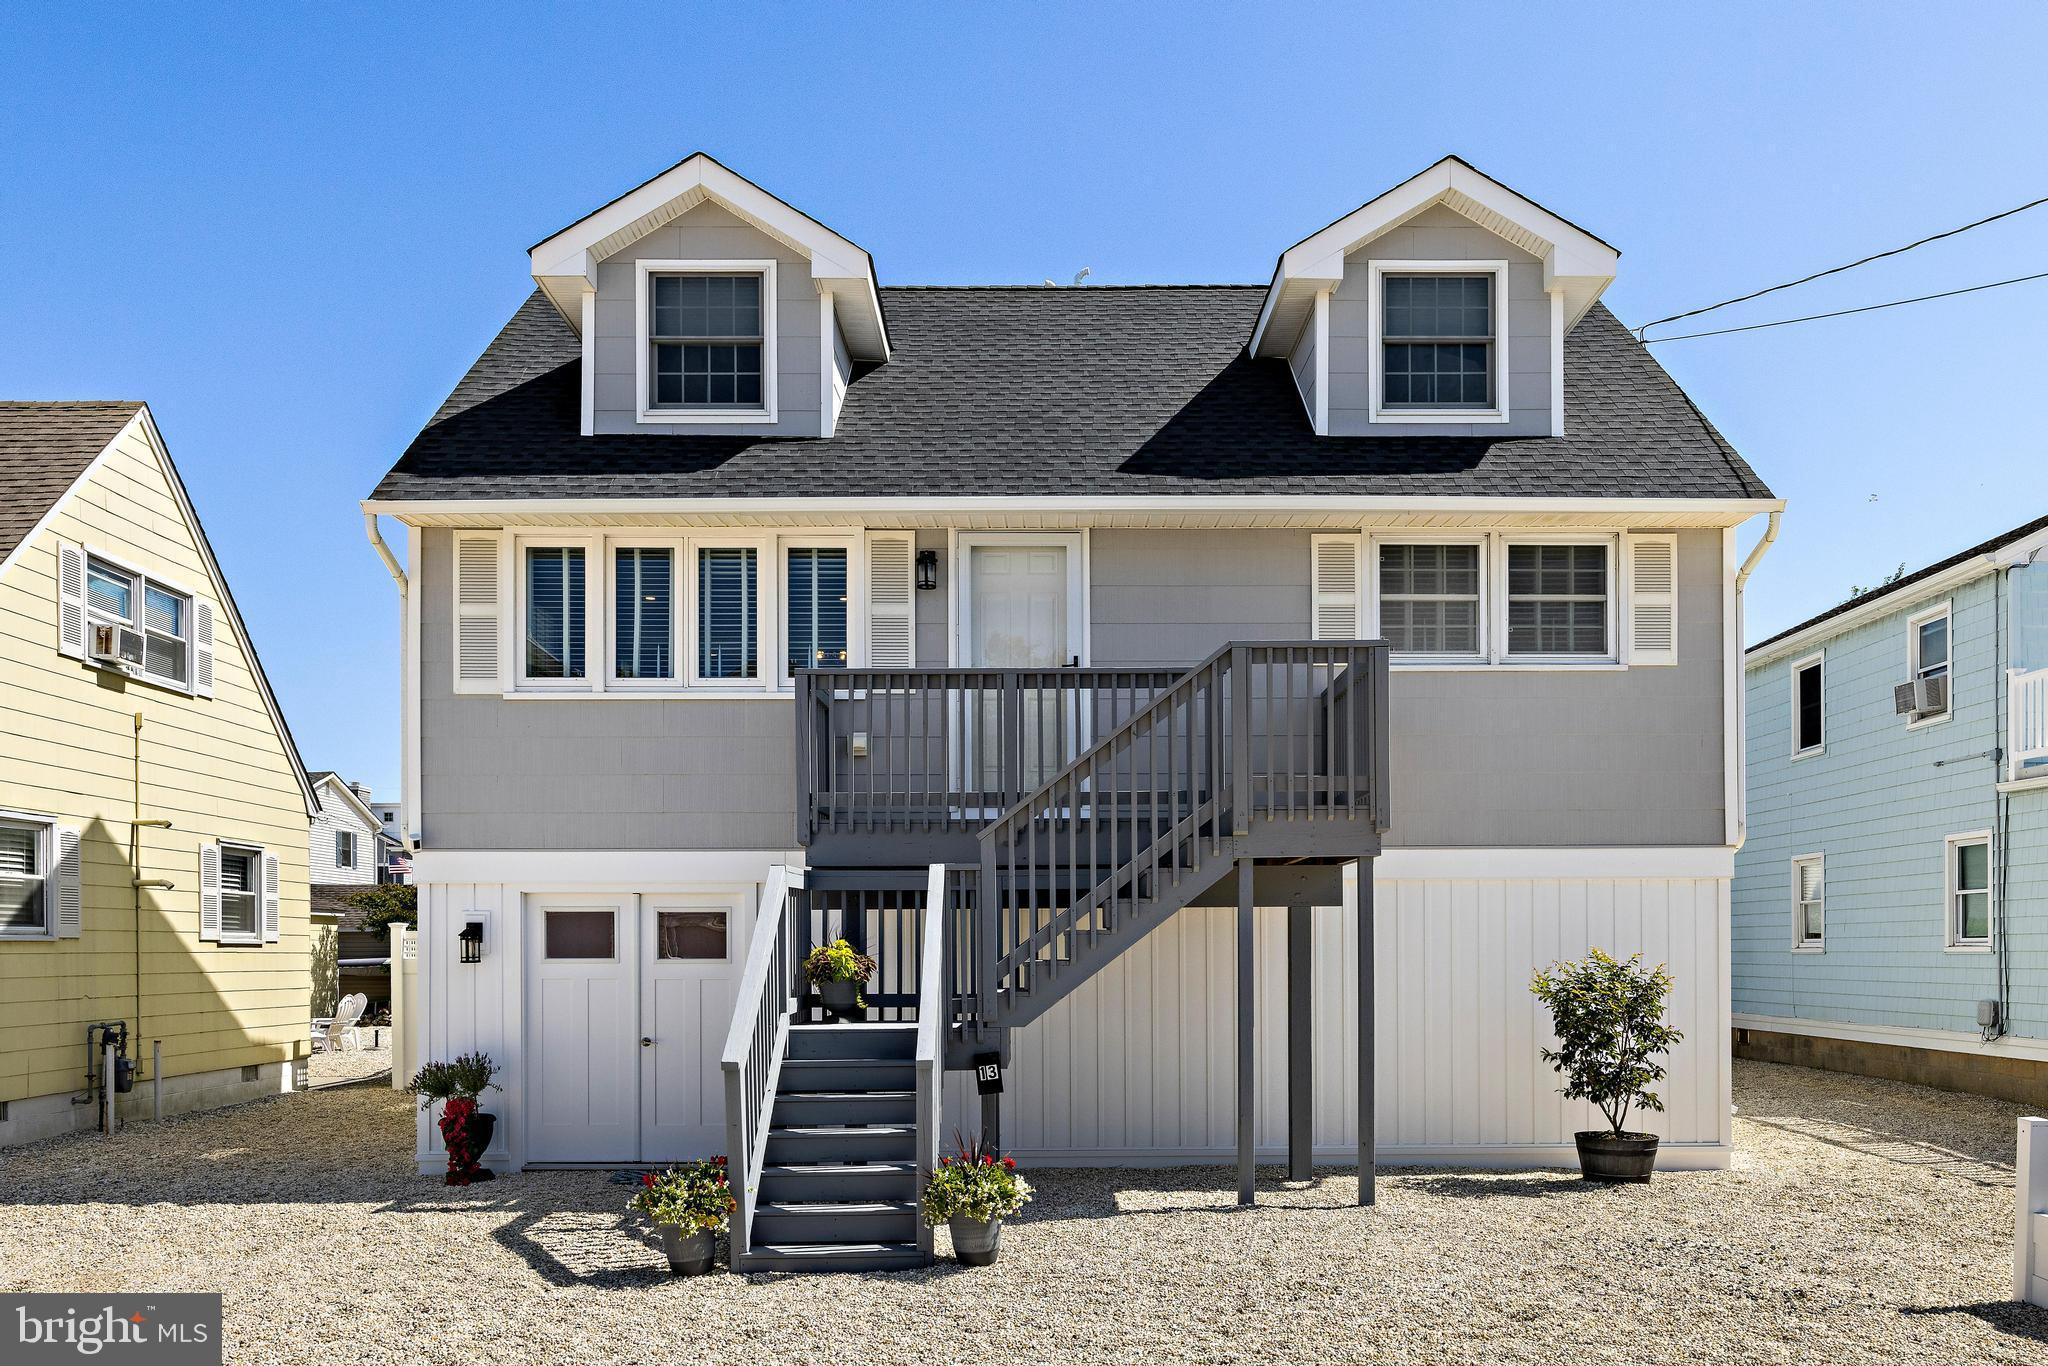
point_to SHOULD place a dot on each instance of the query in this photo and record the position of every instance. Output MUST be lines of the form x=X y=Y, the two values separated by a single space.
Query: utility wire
x=1843 y=312
x=1836 y=270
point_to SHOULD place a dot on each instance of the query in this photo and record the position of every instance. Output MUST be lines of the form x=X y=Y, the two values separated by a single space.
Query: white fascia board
x=593 y=869
x=1638 y=511
x=334 y=781
x=1802 y=642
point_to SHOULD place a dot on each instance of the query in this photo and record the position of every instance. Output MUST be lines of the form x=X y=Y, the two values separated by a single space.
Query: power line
x=1835 y=270
x=1844 y=312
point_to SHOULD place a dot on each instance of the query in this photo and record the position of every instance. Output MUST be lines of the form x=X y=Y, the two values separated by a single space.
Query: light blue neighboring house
x=1891 y=898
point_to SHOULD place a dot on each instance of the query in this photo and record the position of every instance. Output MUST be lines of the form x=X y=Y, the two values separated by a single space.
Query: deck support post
x=1301 y=1106
x=1366 y=1061
x=992 y=1123
x=1246 y=1172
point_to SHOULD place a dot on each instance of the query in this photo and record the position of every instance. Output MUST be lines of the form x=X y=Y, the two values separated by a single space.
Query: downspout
x=1755 y=558
x=405 y=683
x=136 y=825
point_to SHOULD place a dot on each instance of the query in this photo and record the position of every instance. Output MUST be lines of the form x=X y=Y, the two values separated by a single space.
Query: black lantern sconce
x=472 y=939
x=927 y=569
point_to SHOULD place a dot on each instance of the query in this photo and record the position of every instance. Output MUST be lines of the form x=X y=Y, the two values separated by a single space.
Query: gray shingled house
x=1133 y=672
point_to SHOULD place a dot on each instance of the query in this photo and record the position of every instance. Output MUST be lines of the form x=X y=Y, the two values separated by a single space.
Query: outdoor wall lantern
x=472 y=938
x=927 y=569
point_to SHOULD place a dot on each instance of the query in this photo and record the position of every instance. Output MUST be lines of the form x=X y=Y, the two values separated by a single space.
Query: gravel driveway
x=1863 y=1221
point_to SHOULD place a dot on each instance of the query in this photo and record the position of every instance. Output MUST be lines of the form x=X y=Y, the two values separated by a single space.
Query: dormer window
x=1439 y=333
x=707 y=341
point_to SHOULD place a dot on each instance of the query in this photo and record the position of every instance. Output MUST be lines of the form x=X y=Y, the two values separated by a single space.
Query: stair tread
x=836 y=1207
x=832 y=1249
x=846 y=1095
x=866 y=1130
x=862 y=1026
x=849 y=1062
x=879 y=1167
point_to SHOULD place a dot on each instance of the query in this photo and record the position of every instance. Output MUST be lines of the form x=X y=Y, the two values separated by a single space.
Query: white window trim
x=350 y=836
x=856 y=594
x=641 y=376
x=678 y=547
x=1801 y=944
x=1945 y=610
x=1817 y=660
x=255 y=855
x=46 y=859
x=1952 y=937
x=1499 y=626
x=1373 y=542
x=767 y=590
x=596 y=616
x=144 y=581
x=1376 y=358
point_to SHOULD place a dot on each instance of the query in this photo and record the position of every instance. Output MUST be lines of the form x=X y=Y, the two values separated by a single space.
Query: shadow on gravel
x=1535 y=1186
x=2007 y=1316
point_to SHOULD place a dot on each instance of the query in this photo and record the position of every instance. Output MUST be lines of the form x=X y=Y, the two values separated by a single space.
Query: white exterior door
x=691 y=944
x=1021 y=613
x=583 y=1093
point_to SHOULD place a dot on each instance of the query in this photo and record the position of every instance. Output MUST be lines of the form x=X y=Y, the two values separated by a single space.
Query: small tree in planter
x=838 y=970
x=465 y=1130
x=972 y=1193
x=1609 y=1021
x=688 y=1205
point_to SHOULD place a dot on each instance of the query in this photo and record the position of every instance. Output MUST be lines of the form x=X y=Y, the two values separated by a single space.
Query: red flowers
x=1009 y=1164
x=987 y=1161
x=718 y=1161
x=646 y=1178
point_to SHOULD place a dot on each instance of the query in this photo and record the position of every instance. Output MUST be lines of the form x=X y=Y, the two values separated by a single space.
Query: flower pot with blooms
x=1609 y=1021
x=465 y=1130
x=689 y=1204
x=838 y=970
x=972 y=1192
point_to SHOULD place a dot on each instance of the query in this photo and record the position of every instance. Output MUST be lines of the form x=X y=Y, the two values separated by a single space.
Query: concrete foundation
x=2006 y=1078
x=40 y=1117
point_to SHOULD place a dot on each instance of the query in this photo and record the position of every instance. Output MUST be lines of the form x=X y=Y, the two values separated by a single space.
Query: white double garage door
x=629 y=998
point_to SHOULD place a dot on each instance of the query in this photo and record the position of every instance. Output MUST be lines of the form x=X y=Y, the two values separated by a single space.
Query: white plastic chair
x=341 y=1030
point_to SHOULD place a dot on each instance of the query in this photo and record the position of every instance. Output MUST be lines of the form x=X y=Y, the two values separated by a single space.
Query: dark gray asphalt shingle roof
x=44 y=447
x=1079 y=391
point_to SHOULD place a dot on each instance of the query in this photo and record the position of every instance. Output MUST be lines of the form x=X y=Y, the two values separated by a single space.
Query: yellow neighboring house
x=153 y=808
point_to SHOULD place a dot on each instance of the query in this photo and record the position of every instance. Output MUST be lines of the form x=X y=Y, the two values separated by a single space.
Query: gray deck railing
x=756 y=1043
x=940 y=751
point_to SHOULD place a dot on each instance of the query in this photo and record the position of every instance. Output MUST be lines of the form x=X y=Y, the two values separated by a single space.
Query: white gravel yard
x=345 y=1065
x=1863 y=1221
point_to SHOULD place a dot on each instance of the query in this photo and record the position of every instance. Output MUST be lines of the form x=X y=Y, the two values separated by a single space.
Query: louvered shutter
x=70 y=884
x=1652 y=599
x=891 y=582
x=71 y=601
x=202 y=648
x=209 y=893
x=272 y=912
x=1335 y=586
x=478 y=612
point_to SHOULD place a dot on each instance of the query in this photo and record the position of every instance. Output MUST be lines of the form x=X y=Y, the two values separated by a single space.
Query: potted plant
x=972 y=1193
x=465 y=1130
x=688 y=1204
x=1609 y=1022
x=838 y=971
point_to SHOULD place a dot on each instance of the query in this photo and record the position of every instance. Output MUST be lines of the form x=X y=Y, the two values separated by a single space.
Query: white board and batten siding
x=1139 y=1065
x=2030 y=1213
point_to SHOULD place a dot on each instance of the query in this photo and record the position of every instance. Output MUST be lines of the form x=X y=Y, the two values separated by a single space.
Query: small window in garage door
x=691 y=935
x=581 y=934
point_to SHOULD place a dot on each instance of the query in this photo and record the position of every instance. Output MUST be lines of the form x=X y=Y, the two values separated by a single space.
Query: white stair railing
x=755 y=1046
x=2027 y=717
x=932 y=1008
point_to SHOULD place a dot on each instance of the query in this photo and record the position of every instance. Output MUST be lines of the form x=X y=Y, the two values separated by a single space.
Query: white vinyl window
x=644 y=612
x=241 y=895
x=706 y=341
x=25 y=909
x=1432 y=599
x=1928 y=650
x=817 y=607
x=344 y=848
x=1969 y=890
x=1809 y=903
x=144 y=624
x=726 y=613
x=1809 y=714
x=558 y=611
x=1438 y=331
x=1559 y=600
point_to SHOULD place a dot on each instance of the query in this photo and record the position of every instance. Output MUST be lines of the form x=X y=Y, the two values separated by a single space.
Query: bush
x=1609 y=1020
x=695 y=1195
x=386 y=904
x=467 y=1078
x=976 y=1183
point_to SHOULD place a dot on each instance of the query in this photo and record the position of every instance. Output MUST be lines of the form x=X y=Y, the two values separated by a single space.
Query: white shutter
x=892 y=571
x=1652 y=598
x=1335 y=586
x=209 y=893
x=478 y=612
x=272 y=917
x=202 y=648
x=71 y=601
x=70 y=922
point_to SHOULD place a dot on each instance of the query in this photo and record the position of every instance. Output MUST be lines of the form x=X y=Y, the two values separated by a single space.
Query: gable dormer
x=1438 y=309
x=707 y=306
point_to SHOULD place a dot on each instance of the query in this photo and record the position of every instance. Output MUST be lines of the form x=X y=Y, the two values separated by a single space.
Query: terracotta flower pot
x=976 y=1241
x=1605 y=1156
x=690 y=1250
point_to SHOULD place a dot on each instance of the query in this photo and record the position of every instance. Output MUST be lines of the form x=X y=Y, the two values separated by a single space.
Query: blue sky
x=291 y=228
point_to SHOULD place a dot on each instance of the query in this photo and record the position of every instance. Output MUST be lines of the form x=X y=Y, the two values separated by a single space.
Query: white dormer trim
x=565 y=264
x=1575 y=263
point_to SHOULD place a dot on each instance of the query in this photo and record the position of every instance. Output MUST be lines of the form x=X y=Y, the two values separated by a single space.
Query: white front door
x=691 y=944
x=1021 y=614
x=583 y=1040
